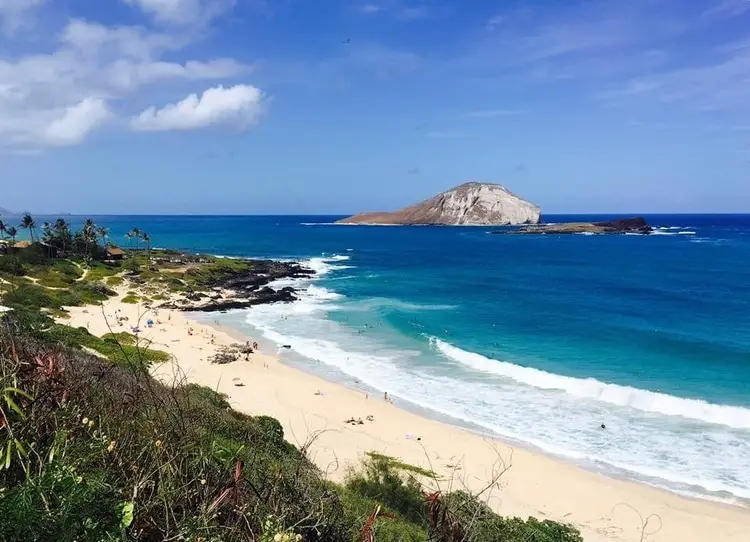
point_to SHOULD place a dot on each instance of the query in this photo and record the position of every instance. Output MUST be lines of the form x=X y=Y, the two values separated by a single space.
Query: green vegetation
x=401 y=466
x=114 y=281
x=121 y=348
x=95 y=451
x=131 y=299
x=214 y=271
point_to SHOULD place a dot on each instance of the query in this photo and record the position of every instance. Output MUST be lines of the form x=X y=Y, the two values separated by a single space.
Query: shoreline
x=312 y=411
x=621 y=474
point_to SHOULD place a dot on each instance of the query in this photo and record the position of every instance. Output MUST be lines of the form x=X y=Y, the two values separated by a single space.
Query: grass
x=101 y=452
x=399 y=465
x=131 y=299
x=94 y=449
x=114 y=281
x=100 y=271
x=122 y=348
x=58 y=274
x=215 y=271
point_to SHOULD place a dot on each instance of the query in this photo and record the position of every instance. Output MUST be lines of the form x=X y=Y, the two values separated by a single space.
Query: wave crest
x=590 y=388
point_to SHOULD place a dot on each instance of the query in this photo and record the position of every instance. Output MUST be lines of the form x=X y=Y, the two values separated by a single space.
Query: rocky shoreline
x=243 y=288
x=610 y=227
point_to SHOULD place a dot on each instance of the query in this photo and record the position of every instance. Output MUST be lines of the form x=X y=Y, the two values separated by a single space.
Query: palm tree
x=12 y=232
x=2 y=229
x=89 y=232
x=47 y=237
x=147 y=239
x=137 y=236
x=47 y=234
x=104 y=234
x=62 y=233
x=28 y=223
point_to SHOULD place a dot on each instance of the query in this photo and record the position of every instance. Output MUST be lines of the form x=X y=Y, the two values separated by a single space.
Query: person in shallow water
x=603 y=426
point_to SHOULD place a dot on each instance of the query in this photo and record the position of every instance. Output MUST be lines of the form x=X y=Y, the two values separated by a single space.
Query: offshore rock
x=469 y=204
x=625 y=225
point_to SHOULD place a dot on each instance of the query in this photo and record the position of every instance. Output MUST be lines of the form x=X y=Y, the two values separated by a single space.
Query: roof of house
x=114 y=251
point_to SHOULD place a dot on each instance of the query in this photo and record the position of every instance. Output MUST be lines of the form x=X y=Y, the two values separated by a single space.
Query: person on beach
x=385 y=396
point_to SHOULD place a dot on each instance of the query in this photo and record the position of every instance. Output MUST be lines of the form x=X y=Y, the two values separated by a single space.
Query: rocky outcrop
x=621 y=226
x=243 y=288
x=468 y=204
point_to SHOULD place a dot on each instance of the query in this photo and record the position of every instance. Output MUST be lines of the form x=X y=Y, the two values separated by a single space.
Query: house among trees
x=18 y=246
x=114 y=253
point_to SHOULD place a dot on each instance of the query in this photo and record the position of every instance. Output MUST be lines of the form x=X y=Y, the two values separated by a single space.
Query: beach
x=515 y=481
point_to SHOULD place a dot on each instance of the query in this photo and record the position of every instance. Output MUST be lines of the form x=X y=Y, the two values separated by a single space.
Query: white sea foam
x=655 y=437
x=322 y=265
x=388 y=303
x=590 y=388
x=706 y=460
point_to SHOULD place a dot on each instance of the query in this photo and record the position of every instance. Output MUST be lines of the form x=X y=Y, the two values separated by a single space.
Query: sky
x=339 y=106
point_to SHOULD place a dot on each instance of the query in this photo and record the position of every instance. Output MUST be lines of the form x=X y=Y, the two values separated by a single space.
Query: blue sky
x=336 y=106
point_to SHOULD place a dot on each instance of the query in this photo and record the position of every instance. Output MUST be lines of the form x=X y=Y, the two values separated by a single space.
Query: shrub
x=98 y=431
x=11 y=265
x=114 y=281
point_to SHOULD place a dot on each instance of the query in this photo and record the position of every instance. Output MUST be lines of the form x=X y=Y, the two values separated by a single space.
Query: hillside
x=471 y=203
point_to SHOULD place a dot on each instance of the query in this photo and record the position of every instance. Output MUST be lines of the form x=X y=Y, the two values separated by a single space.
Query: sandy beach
x=313 y=411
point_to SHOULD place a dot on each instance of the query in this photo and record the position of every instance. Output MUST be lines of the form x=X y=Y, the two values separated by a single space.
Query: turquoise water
x=539 y=339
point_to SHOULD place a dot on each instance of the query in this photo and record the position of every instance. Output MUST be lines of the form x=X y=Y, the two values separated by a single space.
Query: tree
x=12 y=232
x=2 y=229
x=62 y=236
x=147 y=239
x=104 y=234
x=137 y=236
x=88 y=235
x=47 y=233
x=135 y=233
x=28 y=223
x=48 y=236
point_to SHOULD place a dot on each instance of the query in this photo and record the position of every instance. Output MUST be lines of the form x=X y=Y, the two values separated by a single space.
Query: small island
x=469 y=204
x=636 y=225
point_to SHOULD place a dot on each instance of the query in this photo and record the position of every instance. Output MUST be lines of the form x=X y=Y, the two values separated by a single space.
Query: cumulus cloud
x=15 y=14
x=182 y=12
x=238 y=106
x=76 y=122
x=47 y=97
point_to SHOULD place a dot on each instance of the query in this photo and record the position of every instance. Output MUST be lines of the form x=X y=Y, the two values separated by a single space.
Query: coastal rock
x=261 y=297
x=471 y=203
x=244 y=288
x=625 y=225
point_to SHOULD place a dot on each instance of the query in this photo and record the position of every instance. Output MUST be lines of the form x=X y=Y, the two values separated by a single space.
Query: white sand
x=310 y=408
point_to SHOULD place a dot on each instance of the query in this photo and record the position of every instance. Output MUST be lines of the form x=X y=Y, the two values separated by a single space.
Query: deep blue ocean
x=539 y=339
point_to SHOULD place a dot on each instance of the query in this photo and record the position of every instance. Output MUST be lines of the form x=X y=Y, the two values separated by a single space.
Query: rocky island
x=470 y=204
x=621 y=226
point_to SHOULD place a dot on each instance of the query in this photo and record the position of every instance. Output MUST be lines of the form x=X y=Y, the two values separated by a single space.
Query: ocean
x=538 y=339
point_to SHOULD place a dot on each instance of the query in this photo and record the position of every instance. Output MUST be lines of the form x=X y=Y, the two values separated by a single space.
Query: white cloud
x=15 y=14
x=400 y=9
x=727 y=8
x=77 y=122
x=115 y=64
x=238 y=106
x=370 y=8
x=183 y=12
